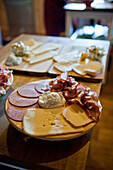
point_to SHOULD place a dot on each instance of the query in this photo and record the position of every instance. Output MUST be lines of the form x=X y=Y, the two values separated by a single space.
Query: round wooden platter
x=18 y=126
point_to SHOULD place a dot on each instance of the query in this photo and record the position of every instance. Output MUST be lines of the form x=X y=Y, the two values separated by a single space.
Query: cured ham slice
x=6 y=79
x=77 y=99
x=61 y=83
x=70 y=94
x=5 y=74
x=92 y=109
x=19 y=101
x=3 y=67
x=3 y=78
x=77 y=93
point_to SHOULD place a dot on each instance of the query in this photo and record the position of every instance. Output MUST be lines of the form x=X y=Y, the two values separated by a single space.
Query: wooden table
x=17 y=149
x=96 y=11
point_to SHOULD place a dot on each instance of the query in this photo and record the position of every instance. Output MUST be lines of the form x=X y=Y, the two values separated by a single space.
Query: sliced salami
x=19 y=101
x=16 y=113
x=41 y=86
x=28 y=90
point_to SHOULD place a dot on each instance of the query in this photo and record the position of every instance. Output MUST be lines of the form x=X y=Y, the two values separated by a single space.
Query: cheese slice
x=47 y=47
x=93 y=68
x=61 y=66
x=76 y=115
x=79 y=68
x=41 y=57
x=73 y=56
x=32 y=44
x=43 y=122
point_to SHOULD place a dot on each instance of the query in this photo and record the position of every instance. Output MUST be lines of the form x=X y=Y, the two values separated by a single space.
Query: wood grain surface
x=18 y=149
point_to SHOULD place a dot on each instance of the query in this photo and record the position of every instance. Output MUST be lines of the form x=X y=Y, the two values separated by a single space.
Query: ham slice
x=77 y=93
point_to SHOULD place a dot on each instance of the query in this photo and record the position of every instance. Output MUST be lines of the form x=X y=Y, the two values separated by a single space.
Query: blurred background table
x=95 y=11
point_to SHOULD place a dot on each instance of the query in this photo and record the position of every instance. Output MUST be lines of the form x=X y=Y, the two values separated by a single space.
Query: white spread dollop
x=19 y=48
x=51 y=99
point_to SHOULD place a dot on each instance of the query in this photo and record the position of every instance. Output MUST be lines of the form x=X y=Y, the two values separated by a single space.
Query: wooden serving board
x=54 y=72
x=18 y=126
x=41 y=67
x=46 y=66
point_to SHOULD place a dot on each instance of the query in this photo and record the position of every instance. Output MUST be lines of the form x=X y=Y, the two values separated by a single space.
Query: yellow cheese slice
x=47 y=47
x=73 y=56
x=43 y=122
x=41 y=57
x=93 y=68
x=67 y=66
x=32 y=44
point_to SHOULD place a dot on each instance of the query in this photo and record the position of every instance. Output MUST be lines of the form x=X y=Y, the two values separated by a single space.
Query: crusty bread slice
x=76 y=115
x=42 y=57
